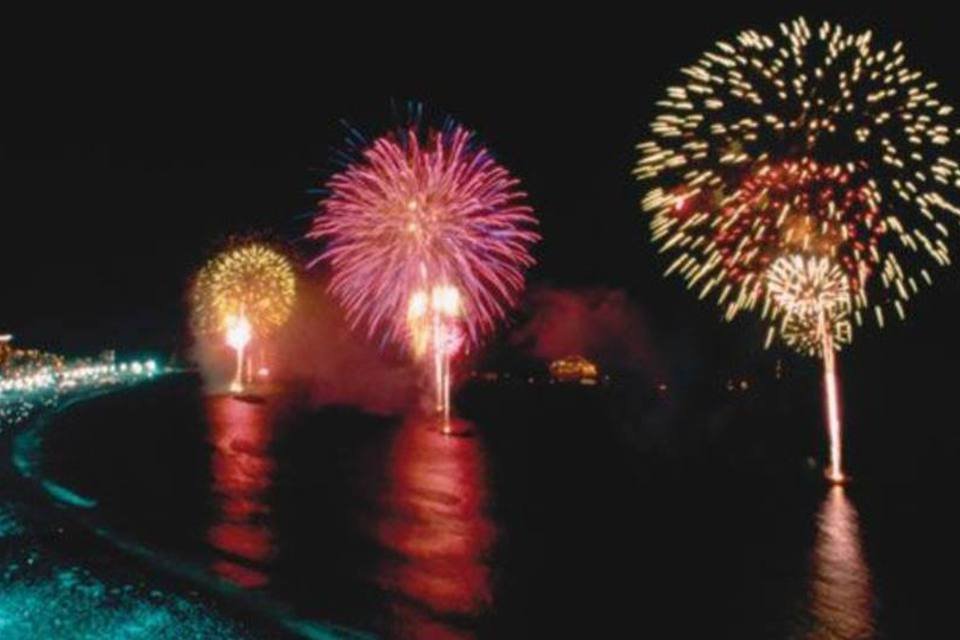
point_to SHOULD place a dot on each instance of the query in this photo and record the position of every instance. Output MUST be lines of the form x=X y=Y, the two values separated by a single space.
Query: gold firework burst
x=252 y=280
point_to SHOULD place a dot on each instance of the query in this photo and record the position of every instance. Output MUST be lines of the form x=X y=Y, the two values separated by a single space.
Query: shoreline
x=45 y=505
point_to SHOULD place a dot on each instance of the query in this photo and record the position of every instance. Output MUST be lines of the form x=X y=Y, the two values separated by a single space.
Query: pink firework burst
x=420 y=209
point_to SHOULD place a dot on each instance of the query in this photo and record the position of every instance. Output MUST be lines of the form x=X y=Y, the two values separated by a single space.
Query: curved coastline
x=21 y=445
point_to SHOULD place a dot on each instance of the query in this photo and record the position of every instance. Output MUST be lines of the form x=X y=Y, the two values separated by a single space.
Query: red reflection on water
x=433 y=518
x=243 y=469
x=841 y=588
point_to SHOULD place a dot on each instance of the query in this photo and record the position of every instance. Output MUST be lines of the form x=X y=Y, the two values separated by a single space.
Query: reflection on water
x=433 y=520
x=242 y=471
x=429 y=521
x=841 y=591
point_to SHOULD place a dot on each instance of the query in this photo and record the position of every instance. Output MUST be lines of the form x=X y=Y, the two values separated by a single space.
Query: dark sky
x=125 y=159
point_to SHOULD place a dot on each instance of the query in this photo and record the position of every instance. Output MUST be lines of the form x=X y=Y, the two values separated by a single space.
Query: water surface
x=545 y=519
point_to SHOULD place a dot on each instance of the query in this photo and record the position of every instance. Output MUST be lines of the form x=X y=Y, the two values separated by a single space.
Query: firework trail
x=807 y=142
x=811 y=301
x=243 y=293
x=238 y=337
x=428 y=238
x=432 y=319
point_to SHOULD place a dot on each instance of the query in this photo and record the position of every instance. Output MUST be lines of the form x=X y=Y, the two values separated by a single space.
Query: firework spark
x=812 y=141
x=807 y=296
x=422 y=209
x=428 y=238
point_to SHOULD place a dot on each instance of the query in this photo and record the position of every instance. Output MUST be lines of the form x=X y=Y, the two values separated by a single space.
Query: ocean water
x=560 y=510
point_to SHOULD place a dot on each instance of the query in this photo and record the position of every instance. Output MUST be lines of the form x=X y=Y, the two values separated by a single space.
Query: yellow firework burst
x=809 y=304
x=812 y=140
x=251 y=280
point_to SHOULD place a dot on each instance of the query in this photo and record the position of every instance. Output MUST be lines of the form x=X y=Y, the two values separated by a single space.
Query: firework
x=808 y=297
x=811 y=303
x=813 y=141
x=252 y=280
x=428 y=238
x=244 y=293
x=806 y=174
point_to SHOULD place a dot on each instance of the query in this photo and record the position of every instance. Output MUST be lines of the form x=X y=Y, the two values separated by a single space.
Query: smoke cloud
x=319 y=355
x=601 y=324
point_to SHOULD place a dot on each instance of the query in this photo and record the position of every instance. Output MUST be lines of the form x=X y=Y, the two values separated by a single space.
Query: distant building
x=5 y=348
x=576 y=369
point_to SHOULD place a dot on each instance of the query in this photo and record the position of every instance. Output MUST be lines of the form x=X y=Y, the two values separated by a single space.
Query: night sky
x=126 y=159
